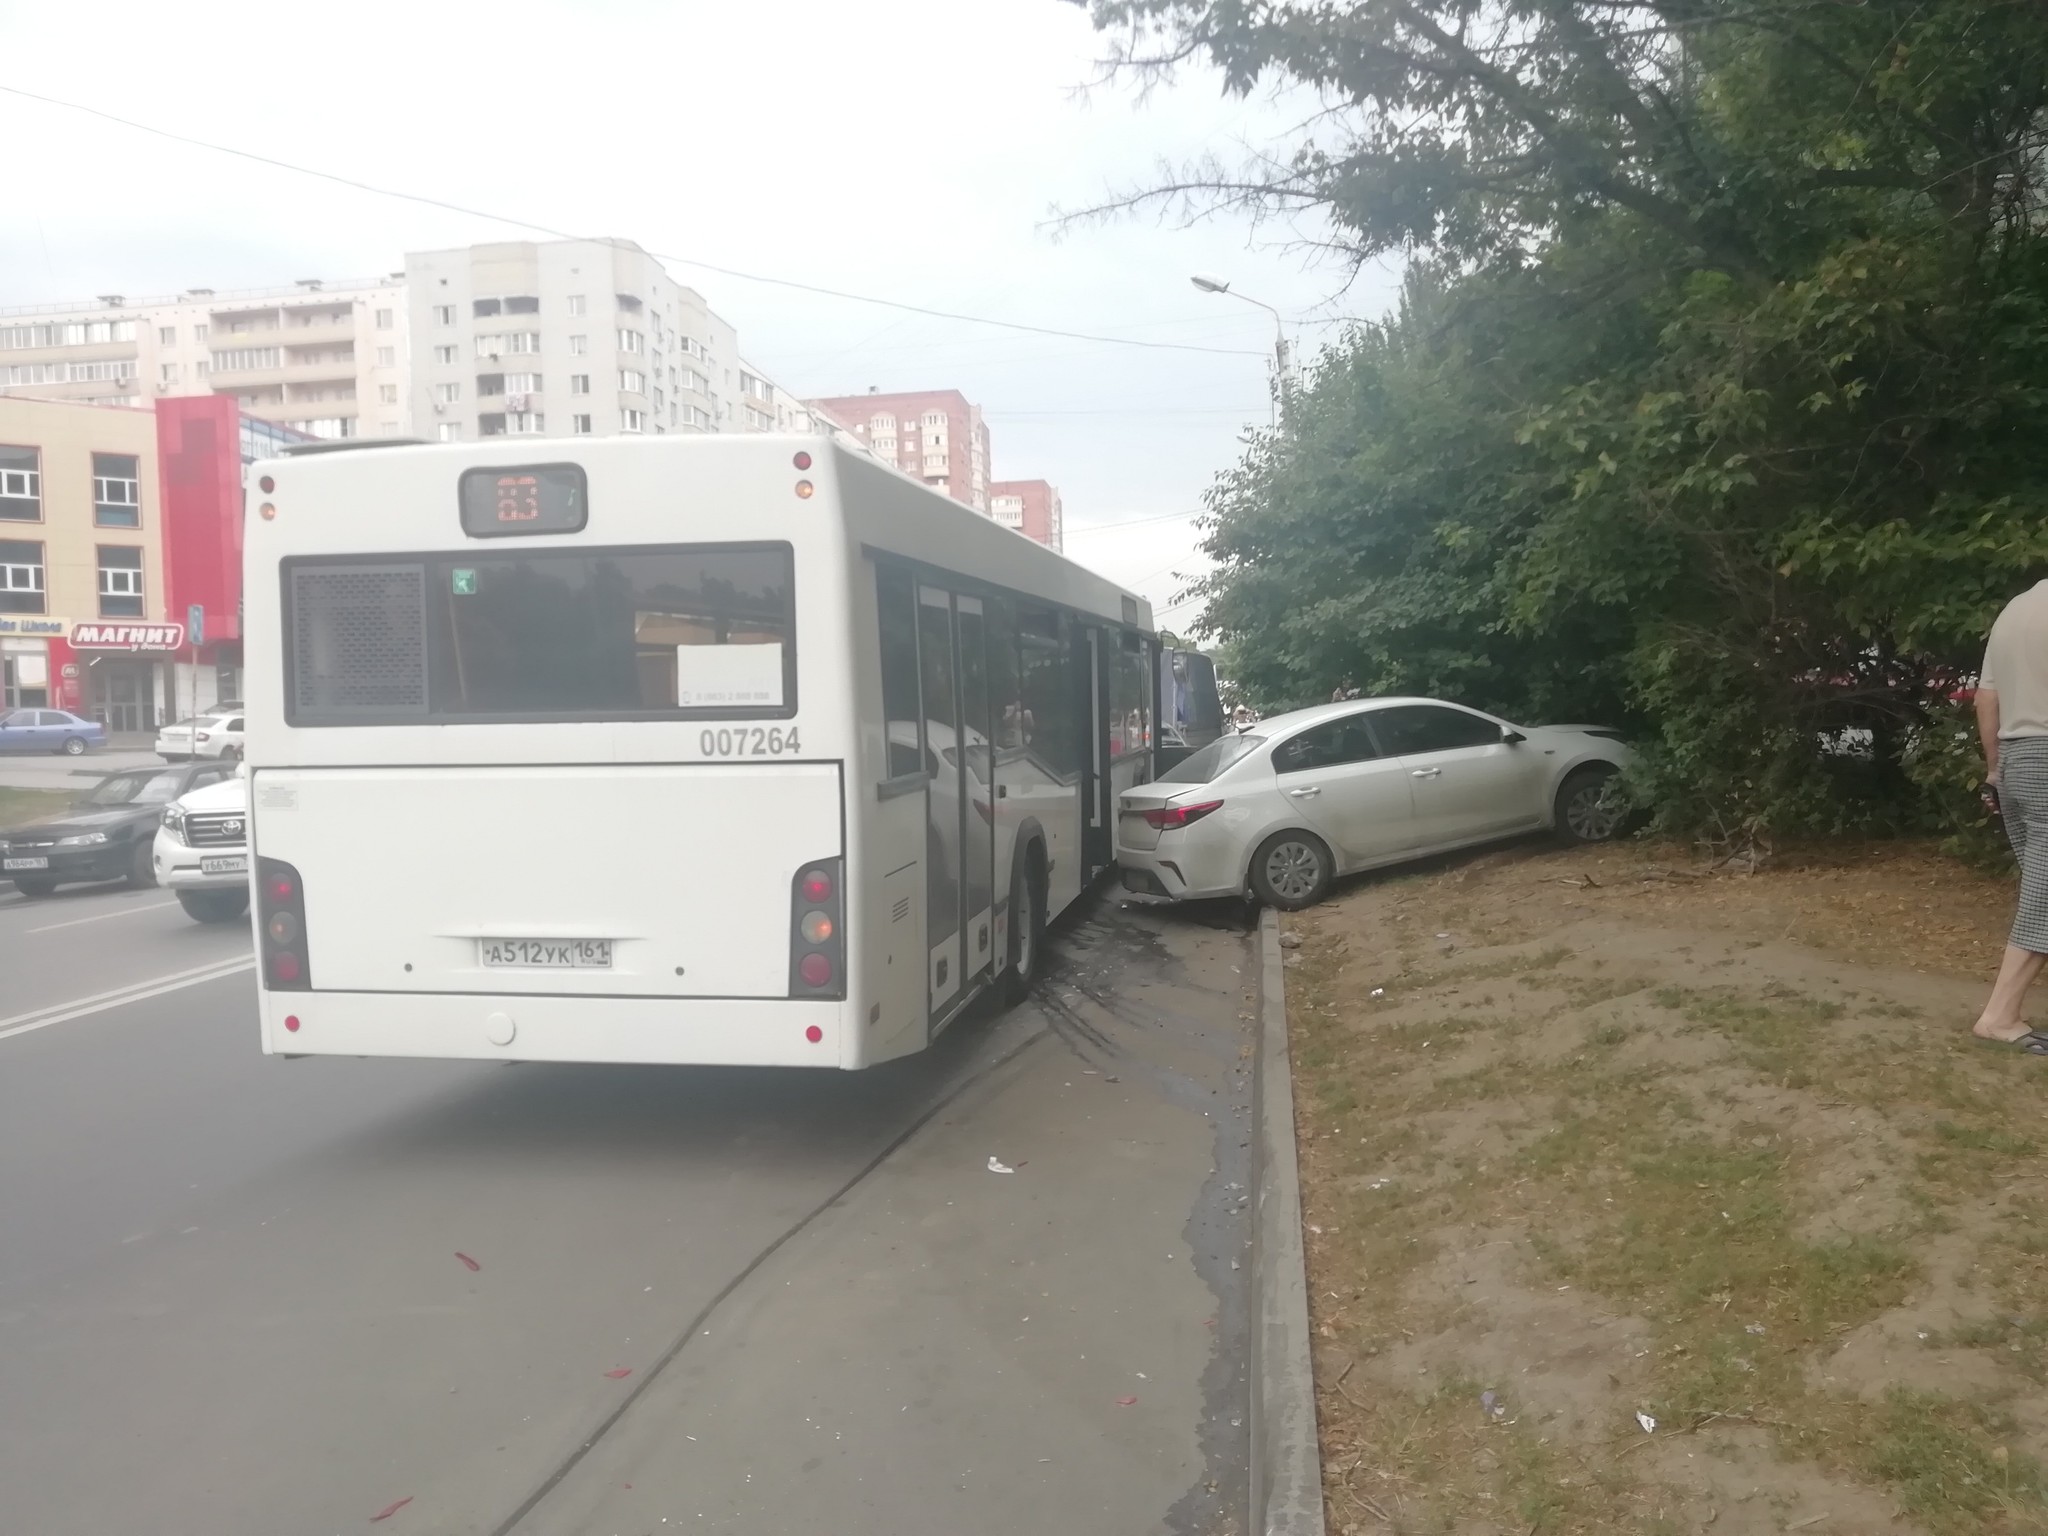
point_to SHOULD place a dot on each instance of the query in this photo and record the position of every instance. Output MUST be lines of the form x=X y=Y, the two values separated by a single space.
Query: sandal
x=2034 y=1042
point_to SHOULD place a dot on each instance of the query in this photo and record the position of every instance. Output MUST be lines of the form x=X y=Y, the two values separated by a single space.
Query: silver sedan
x=1282 y=810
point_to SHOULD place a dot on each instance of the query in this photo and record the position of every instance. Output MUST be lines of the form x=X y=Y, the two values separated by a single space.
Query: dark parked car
x=48 y=730
x=106 y=835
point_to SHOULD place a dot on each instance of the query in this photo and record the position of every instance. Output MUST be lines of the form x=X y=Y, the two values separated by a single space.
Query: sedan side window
x=1325 y=746
x=235 y=724
x=1410 y=730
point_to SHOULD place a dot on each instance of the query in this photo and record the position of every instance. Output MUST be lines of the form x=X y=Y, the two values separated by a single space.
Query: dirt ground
x=1588 y=1137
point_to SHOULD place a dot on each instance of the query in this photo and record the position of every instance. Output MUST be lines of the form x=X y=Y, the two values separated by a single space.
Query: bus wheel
x=1027 y=927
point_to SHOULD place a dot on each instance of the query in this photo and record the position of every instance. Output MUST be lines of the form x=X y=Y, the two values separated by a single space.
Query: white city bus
x=719 y=749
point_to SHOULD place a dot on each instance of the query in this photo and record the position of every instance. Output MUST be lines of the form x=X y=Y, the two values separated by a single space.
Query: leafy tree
x=1719 y=389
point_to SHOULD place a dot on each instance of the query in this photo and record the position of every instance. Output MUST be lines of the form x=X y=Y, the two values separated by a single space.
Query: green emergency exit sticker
x=463 y=582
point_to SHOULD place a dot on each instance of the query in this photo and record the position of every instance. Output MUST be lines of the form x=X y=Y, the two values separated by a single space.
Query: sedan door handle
x=1427 y=773
x=1304 y=794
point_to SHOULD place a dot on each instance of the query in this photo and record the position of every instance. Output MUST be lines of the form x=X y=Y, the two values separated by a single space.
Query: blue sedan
x=49 y=730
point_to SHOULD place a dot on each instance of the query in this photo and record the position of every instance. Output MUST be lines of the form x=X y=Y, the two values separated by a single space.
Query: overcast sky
x=913 y=150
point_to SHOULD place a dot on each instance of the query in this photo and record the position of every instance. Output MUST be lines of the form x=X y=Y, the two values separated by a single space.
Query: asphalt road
x=233 y=1297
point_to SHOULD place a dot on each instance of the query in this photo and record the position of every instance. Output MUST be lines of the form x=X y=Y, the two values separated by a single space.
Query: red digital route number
x=506 y=502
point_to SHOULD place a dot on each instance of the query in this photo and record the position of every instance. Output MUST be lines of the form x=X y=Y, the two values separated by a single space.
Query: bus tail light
x=281 y=906
x=817 y=939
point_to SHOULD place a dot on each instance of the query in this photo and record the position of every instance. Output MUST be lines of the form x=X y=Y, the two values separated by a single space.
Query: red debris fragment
x=622 y=1372
x=1125 y=1402
x=468 y=1262
x=390 y=1509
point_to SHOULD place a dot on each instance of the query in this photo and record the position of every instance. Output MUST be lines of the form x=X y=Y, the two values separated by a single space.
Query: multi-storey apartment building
x=1032 y=507
x=327 y=359
x=567 y=338
x=936 y=435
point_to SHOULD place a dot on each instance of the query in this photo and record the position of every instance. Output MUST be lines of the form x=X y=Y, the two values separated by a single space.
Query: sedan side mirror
x=1513 y=737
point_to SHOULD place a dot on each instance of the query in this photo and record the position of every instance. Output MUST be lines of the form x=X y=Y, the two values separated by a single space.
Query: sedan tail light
x=281 y=907
x=1168 y=817
x=817 y=938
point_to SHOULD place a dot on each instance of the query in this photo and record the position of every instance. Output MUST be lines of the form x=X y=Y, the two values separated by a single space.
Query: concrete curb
x=1287 y=1464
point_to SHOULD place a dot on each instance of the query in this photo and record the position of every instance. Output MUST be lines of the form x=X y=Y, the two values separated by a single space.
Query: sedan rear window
x=136 y=789
x=1202 y=766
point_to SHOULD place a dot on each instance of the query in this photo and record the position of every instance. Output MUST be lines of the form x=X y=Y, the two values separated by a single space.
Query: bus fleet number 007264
x=750 y=741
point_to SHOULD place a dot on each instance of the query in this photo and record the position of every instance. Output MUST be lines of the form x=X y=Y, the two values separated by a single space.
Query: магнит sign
x=127 y=637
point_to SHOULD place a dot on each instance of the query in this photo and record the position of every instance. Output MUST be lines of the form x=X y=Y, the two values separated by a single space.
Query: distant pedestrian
x=2012 y=722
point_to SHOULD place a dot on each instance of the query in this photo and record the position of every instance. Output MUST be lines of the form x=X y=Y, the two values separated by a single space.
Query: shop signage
x=68 y=670
x=127 y=637
x=37 y=625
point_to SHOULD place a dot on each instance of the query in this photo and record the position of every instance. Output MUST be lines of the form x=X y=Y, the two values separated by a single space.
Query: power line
x=559 y=234
x=1130 y=522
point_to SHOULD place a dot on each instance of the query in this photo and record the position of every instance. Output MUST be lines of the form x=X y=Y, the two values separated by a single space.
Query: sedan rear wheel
x=1292 y=870
x=74 y=746
x=1591 y=807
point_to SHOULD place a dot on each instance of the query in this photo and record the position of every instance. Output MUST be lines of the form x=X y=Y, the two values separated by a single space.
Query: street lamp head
x=1210 y=284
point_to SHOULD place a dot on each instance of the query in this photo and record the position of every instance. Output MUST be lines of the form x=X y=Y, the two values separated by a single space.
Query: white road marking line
x=61 y=1013
x=101 y=917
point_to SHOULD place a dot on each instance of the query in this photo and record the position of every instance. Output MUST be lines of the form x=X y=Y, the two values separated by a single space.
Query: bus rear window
x=697 y=632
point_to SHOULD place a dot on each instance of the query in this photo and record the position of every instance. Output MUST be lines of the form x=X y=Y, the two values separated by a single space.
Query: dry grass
x=1616 y=1147
x=18 y=807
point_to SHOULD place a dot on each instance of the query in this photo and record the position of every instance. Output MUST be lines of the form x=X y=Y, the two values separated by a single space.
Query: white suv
x=217 y=733
x=202 y=851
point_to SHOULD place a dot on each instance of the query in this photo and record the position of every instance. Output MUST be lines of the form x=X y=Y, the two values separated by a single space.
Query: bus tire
x=1027 y=924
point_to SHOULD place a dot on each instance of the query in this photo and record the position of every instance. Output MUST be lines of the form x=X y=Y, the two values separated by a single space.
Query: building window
x=21 y=488
x=202 y=369
x=445 y=355
x=248 y=359
x=488 y=384
x=387 y=357
x=522 y=383
x=451 y=432
x=167 y=335
x=696 y=416
x=116 y=490
x=447 y=394
x=199 y=334
x=935 y=418
x=528 y=422
x=21 y=577
x=633 y=381
x=580 y=425
x=508 y=341
x=491 y=424
x=387 y=394
x=484 y=307
x=579 y=383
x=329 y=427
x=631 y=341
x=444 y=314
x=632 y=421
x=120 y=582
x=383 y=319
x=525 y=304
x=760 y=389
x=576 y=308
x=167 y=373
x=579 y=346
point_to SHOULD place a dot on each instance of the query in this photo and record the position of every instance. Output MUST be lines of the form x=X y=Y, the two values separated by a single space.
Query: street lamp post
x=1280 y=354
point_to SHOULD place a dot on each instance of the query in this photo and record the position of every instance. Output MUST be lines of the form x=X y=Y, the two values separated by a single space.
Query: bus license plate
x=234 y=864
x=25 y=864
x=545 y=954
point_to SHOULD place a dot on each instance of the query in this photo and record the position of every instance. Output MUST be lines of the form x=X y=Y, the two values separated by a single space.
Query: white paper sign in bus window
x=729 y=676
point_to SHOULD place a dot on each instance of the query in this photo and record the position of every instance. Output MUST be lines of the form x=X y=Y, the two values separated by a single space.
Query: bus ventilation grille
x=358 y=642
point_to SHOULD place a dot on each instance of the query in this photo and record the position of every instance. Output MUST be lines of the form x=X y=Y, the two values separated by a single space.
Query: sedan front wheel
x=1292 y=870
x=1591 y=806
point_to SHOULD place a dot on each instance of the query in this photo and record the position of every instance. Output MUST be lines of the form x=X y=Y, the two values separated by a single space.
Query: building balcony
x=221 y=334
x=287 y=373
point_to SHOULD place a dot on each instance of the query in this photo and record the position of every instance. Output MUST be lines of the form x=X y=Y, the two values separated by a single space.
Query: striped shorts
x=2023 y=795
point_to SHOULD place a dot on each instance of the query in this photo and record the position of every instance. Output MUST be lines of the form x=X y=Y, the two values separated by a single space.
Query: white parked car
x=1282 y=809
x=215 y=734
x=201 y=854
